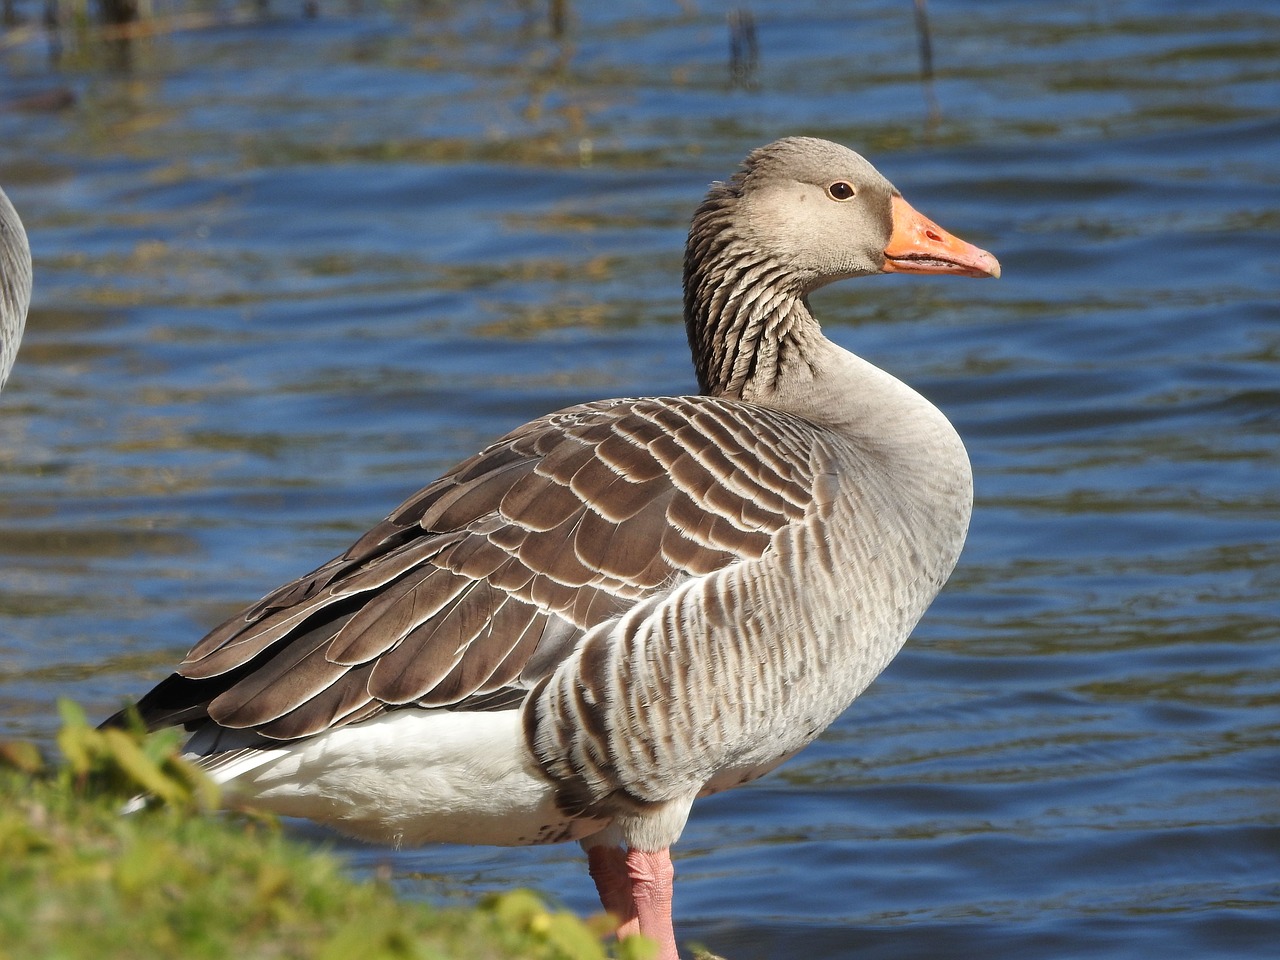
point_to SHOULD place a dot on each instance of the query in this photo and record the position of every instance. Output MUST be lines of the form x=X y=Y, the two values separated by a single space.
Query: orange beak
x=918 y=245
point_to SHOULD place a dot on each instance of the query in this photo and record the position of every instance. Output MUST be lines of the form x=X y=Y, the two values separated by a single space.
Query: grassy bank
x=78 y=881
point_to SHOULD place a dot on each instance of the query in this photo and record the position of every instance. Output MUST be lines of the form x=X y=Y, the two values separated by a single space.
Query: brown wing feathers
x=476 y=587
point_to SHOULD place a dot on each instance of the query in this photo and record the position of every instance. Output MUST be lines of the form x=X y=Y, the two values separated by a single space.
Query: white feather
x=407 y=777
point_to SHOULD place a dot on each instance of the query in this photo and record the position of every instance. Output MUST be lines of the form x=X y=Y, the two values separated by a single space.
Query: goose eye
x=841 y=191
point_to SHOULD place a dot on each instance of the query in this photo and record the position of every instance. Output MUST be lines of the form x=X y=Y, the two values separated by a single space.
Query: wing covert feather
x=477 y=586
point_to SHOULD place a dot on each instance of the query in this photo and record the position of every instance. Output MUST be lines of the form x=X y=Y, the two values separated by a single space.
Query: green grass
x=79 y=881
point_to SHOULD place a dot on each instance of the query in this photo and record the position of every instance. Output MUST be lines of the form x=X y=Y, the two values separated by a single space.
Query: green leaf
x=519 y=909
x=572 y=938
x=636 y=947
x=75 y=739
x=128 y=756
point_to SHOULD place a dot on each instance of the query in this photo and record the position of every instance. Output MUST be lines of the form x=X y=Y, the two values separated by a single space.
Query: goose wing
x=477 y=586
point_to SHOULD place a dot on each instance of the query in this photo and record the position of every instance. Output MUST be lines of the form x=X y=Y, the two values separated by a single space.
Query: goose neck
x=747 y=321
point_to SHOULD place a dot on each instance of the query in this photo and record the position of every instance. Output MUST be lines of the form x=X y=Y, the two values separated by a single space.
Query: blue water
x=288 y=270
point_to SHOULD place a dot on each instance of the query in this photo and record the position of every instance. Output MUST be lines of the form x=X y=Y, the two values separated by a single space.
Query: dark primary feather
x=476 y=587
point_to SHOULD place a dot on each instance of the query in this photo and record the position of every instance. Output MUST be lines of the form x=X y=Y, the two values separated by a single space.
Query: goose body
x=15 y=284
x=627 y=604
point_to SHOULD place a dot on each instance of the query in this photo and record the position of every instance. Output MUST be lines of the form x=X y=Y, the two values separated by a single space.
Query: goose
x=628 y=604
x=15 y=285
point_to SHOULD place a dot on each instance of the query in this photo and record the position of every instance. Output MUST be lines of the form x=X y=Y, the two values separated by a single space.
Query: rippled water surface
x=289 y=269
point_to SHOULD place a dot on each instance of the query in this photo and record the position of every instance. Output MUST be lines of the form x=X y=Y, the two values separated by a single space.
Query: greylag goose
x=628 y=604
x=15 y=284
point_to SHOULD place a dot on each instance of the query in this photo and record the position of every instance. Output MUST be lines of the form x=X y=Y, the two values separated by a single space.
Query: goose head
x=824 y=213
x=799 y=214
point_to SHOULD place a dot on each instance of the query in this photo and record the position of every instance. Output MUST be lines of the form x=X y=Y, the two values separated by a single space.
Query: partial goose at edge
x=15 y=285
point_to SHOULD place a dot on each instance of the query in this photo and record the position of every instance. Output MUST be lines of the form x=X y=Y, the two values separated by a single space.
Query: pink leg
x=636 y=887
x=608 y=868
x=652 y=877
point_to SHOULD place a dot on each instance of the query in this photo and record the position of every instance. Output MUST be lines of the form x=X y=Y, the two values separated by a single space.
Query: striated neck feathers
x=745 y=312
